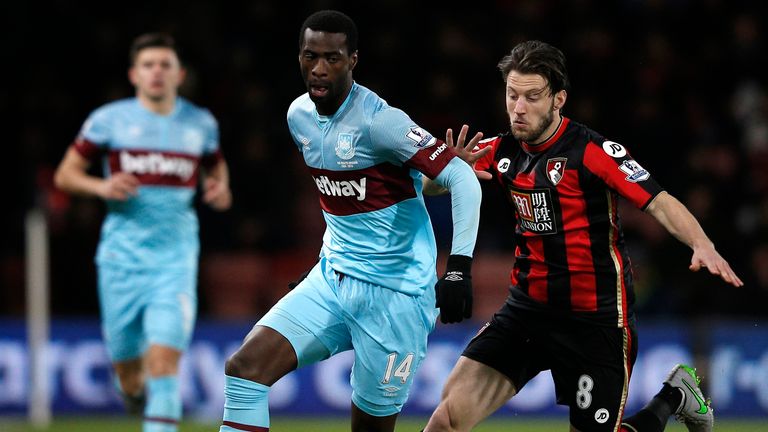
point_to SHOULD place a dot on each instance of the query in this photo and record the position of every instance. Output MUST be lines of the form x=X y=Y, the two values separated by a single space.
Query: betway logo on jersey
x=355 y=188
x=157 y=164
x=534 y=210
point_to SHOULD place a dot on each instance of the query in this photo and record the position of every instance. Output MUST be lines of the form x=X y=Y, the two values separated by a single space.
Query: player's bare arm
x=216 y=192
x=466 y=151
x=676 y=218
x=72 y=176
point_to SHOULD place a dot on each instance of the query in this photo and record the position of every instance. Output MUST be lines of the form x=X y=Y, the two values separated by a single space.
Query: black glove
x=292 y=285
x=454 y=290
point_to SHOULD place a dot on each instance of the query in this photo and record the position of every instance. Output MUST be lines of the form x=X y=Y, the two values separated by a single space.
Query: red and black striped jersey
x=569 y=245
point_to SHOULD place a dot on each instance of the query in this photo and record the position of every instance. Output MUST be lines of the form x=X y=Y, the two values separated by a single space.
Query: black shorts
x=590 y=364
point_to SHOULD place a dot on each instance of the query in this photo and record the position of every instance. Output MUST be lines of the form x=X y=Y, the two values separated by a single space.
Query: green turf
x=280 y=424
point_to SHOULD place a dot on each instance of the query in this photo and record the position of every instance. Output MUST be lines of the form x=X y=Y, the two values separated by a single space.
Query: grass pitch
x=314 y=424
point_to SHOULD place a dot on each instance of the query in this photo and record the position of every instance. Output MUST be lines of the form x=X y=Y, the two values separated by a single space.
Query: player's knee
x=234 y=366
x=241 y=365
x=159 y=368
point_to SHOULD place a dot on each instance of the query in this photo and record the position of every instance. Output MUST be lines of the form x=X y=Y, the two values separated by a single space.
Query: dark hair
x=151 y=40
x=331 y=21
x=540 y=58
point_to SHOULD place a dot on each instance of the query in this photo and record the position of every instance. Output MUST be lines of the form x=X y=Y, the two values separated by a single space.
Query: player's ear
x=132 y=75
x=182 y=75
x=352 y=60
x=560 y=98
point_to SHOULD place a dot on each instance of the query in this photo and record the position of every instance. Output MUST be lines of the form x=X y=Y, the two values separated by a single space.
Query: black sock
x=672 y=396
x=653 y=417
x=644 y=421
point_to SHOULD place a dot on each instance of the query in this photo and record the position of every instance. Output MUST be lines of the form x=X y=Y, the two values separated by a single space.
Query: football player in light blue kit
x=153 y=148
x=374 y=287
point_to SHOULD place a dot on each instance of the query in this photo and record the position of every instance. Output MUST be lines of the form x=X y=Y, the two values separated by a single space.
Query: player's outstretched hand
x=468 y=152
x=707 y=257
x=454 y=290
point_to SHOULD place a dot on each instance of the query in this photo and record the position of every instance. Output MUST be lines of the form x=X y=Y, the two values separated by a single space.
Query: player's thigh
x=389 y=335
x=592 y=374
x=513 y=344
x=311 y=318
x=121 y=304
x=171 y=309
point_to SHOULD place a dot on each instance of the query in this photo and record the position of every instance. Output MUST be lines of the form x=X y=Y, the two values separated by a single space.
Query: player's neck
x=162 y=106
x=549 y=133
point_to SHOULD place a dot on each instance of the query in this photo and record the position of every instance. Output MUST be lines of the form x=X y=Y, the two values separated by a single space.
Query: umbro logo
x=454 y=277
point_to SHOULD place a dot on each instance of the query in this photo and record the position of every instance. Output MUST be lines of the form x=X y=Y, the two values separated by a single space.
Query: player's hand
x=468 y=152
x=216 y=194
x=294 y=284
x=454 y=290
x=119 y=186
x=708 y=257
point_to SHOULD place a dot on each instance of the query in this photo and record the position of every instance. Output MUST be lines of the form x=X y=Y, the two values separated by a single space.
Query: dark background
x=681 y=83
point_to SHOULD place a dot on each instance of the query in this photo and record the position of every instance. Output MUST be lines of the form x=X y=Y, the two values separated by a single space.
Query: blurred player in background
x=154 y=147
x=374 y=288
x=570 y=307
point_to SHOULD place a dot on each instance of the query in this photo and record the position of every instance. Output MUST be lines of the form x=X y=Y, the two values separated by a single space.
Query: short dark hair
x=540 y=58
x=331 y=21
x=151 y=40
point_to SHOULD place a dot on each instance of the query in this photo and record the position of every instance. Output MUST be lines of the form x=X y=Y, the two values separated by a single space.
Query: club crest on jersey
x=535 y=212
x=135 y=131
x=420 y=137
x=193 y=140
x=635 y=173
x=345 y=146
x=556 y=169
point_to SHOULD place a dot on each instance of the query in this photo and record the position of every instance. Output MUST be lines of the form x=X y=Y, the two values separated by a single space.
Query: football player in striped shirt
x=570 y=307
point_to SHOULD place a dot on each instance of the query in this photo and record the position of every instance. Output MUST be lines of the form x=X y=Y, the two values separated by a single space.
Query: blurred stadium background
x=683 y=84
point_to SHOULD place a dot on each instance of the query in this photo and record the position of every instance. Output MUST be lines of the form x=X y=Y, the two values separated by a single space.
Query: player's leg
x=504 y=355
x=362 y=421
x=168 y=321
x=591 y=368
x=680 y=395
x=304 y=327
x=130 y=384
x=472 y=392
x=121 y=306
x=389 y=333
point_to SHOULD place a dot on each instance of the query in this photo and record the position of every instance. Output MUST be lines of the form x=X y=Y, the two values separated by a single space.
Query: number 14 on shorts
x=402 y=371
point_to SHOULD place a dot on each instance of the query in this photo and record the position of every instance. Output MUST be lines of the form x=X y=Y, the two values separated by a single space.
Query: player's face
x=156 y=73
x=534 y=112
x=326 y=67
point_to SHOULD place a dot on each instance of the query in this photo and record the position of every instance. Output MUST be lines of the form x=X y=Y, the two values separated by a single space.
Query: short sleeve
x=211 y=147
x=94 y=135
x=393 y=132
x=211 y=133
x=612 y=163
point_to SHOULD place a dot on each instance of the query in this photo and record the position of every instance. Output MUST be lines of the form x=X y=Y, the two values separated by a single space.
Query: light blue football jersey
x=367 y=161
x=158 y=227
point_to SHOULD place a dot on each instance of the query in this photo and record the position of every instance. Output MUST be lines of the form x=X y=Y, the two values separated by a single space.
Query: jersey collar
x=551 y=140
